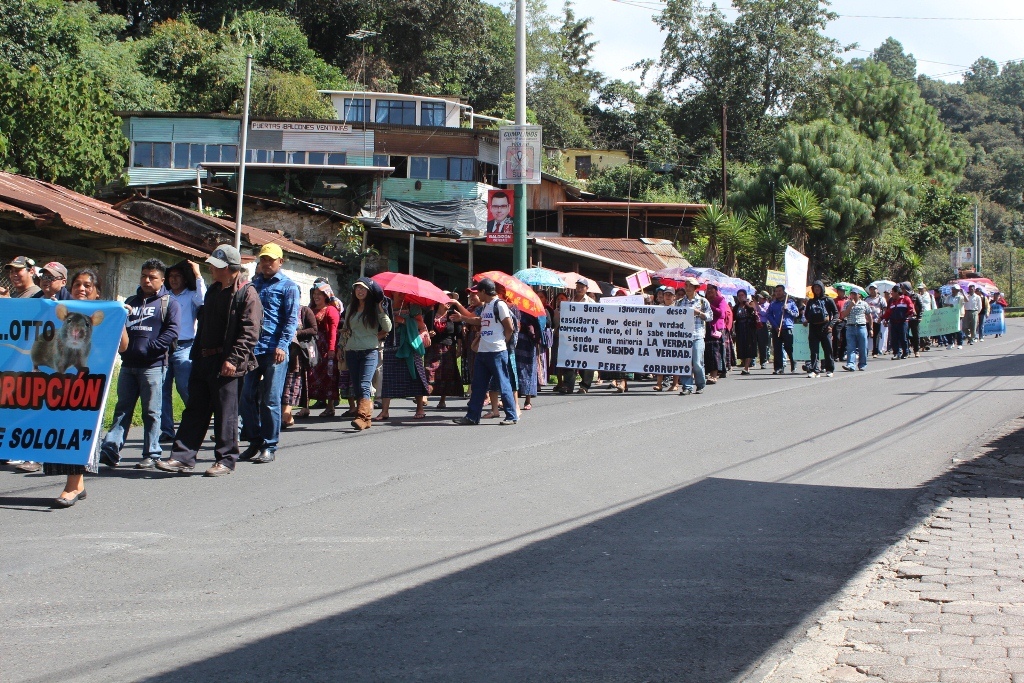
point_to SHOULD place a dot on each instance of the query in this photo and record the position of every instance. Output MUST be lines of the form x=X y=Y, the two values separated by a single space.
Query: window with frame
x=337 y=158
x=296 y=157
x=461 y=168
x=356 y=109
x=152 y=155
x=317 y=158
x=419 y=167
x=380 y=160
x=399 y=112
x=432 y=114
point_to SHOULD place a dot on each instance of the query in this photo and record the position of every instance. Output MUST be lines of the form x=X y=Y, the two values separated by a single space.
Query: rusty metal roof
x=254 y=236
x=623 y=252
x=45 y=203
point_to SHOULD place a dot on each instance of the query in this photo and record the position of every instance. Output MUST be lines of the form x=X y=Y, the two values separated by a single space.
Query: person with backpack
x=152 y=325
x=896 y=316
x=819 y=315
x=228 y=327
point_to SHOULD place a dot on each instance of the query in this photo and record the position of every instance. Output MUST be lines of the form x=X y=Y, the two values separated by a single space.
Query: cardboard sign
x=56 y=358
x=796 y=273
x=500 y=210
x=995 y=321
x=519 y=155
x=638 y=281
x=625 y=338
x=775 y=277
x=939 y=321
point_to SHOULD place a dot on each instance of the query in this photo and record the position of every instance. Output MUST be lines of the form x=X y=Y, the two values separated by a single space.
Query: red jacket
x=900 y=310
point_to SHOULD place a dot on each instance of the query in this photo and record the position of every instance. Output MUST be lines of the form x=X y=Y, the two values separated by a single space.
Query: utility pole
x=725 y=172
x=977 y=242
x=242 y=145
x=519 y=215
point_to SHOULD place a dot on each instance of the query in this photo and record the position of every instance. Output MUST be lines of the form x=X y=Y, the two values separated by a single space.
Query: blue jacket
x=280 y=298
x=150 y=335
x=782 y=314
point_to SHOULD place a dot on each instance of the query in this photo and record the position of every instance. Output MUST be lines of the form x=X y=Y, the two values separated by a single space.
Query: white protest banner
x=630 y=300
x=622 y=338
x=796 y=274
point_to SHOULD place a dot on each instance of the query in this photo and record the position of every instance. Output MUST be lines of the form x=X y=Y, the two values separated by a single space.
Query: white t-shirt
x=492 y=333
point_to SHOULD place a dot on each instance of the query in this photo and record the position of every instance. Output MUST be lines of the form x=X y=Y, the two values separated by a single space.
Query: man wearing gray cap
x=226 y=333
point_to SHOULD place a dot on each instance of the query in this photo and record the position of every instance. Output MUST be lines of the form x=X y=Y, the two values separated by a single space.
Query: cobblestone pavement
x=945 y=604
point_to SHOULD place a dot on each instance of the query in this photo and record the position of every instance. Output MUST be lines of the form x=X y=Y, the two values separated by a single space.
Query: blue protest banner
x=995 y=321
x=56 y=358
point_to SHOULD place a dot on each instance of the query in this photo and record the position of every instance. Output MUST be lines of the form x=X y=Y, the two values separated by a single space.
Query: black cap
x=486 y=285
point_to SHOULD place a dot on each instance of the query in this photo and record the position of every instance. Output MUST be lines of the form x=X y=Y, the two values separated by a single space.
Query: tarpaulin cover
x=447 y=219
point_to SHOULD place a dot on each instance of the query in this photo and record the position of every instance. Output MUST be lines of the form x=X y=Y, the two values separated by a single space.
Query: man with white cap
x=227 y=328
x=955 y=298
x=20 y=273
x=262 y=388
x=971 y=311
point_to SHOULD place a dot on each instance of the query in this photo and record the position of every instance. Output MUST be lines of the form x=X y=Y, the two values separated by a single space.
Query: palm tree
x=735 y=238
x=709 y=224
x=801 y=213
x=770 y=239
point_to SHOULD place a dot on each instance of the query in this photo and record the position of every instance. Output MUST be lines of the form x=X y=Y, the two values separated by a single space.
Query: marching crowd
x=248 y=356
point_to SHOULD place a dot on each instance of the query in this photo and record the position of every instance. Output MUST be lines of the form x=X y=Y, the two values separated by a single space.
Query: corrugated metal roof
x=626 y=252
x=253 y=236
x=45 y=202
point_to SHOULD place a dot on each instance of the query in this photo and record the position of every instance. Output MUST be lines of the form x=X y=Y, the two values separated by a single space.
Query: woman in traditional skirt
x=295 y=382
x=442 y=357
x=470 y=339
x=404 y=374
x=715 y=354
x=526 y=357
x=323 y=382
x=85 y=286
x=745 y=330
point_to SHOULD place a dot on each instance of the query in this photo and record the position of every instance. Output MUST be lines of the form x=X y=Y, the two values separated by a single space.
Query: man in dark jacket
x=152 y=328
x=819 y=315
x=228 y=327
x=914 y=322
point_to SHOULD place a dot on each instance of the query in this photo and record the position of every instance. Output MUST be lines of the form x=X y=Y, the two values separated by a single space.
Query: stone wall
x=311 y=228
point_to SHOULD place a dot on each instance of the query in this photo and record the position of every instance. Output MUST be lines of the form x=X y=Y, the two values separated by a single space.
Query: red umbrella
x=417 y=291
x=517 y=292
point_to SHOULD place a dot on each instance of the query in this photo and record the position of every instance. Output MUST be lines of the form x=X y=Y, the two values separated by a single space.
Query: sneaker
x=265 y=456
x=848 y=368
x=507 y=422
x=464 y=421
x=917 y=354
x=686 y=391
x=812 y=375
x=828 y=374
x=862 y=369
x=698 y=391
x=146 y=464
x=960 y=346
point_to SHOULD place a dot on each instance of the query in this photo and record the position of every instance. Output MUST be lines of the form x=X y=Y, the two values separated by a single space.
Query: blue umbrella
x=540 y=277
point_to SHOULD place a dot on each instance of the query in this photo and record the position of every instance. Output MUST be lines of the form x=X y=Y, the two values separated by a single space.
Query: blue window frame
x=336 y=158
x=418 y=167
x=229 y=153
x=296 y=157
x=380 y=160
x=161 y=155
x=398 y=112
x=439 y=168
x=278 y=157
x=460 y=168
x=432 y=114
x=317 y=158
x=181 y=155
x=356 y=109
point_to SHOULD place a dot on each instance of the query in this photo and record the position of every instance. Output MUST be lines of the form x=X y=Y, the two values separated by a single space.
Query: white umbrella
x=570 y=280
x=882 y=285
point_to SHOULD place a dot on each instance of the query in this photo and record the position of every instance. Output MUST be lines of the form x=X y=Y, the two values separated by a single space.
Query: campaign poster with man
x=499 y=216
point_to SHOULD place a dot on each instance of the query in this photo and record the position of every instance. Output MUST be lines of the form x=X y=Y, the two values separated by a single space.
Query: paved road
x=632 y=537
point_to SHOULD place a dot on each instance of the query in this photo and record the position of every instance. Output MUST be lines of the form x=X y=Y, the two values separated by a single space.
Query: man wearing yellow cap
x=262 y=388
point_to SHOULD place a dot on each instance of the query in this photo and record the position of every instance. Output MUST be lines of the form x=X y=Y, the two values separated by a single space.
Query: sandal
x=419 y=416
x=528 y=406
x=657 y=387
x=304 y=412
x=381 y=417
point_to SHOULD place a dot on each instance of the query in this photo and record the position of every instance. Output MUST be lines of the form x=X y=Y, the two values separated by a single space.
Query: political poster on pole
x=56 y=359
x=796 y=273
x=519 y=155
x=500 y=211
x=995 y=321
x=623 y=338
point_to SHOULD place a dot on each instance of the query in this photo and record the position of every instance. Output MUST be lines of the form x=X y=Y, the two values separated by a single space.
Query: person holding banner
x=701 y=314
x=955 y=298
x=668 y=298
x=21 y=274
x=85 y=286
x=781 y=315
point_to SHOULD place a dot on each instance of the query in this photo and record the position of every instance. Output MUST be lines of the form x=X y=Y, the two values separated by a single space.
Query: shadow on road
x=687 y=587
x=998 y=366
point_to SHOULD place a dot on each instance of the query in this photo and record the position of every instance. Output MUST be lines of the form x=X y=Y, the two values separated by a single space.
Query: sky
x=626 y=33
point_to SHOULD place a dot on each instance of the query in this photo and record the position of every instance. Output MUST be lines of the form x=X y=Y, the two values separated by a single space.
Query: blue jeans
x=361 y=366
x=487 y=365
x=697 y=361
x=261 y=401
x=179 y=367
x=133 y=384
x=856 y=344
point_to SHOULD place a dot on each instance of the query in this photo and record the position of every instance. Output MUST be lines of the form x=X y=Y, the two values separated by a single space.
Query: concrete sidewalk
x=945 y=604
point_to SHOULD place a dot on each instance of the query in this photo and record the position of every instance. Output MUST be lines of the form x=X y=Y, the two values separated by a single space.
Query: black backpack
x=816 y=311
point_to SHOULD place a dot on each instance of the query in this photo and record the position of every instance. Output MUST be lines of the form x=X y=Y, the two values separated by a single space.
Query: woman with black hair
x=366 y=325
